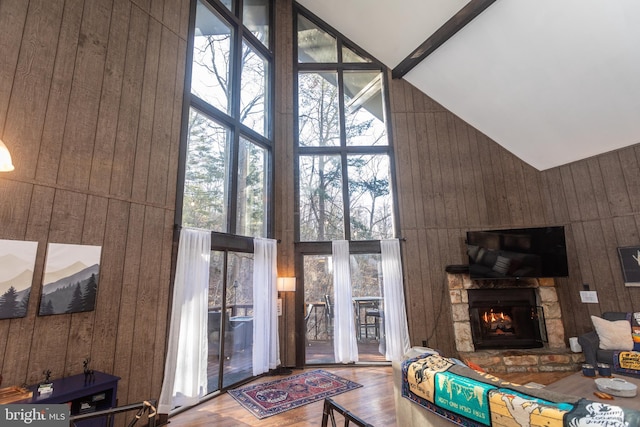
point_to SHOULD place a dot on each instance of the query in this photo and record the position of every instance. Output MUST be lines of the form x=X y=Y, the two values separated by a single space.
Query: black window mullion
x=343 y=155
x=386 y=105
x=223 y=310
x=236 y=77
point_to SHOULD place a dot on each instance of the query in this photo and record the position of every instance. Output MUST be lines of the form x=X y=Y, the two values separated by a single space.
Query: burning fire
x=498 y=323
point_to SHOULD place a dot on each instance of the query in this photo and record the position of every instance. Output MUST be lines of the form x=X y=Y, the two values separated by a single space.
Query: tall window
x=344 y=152
x=227 y=166
x=344 y=183
x=229 y=135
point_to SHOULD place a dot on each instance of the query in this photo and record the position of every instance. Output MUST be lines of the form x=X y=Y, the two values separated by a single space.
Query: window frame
x=342 y=150
x=232 y=121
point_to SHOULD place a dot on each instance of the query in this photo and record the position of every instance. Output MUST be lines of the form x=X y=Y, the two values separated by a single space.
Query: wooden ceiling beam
x=442 y=34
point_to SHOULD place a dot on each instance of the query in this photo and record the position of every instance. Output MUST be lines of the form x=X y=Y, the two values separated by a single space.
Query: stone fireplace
x=506 y=318
x=509 y=325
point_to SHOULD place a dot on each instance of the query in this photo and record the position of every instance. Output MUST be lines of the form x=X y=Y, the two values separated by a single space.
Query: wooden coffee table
x=581 y=386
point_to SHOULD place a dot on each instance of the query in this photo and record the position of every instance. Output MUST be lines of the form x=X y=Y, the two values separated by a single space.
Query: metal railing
x=328 y=414
x=147 y=406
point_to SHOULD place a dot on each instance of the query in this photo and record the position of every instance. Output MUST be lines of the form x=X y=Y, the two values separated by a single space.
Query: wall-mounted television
x=517 y=253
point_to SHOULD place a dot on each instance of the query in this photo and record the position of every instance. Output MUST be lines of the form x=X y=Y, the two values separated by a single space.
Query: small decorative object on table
x=46 y=386
x=88 y=373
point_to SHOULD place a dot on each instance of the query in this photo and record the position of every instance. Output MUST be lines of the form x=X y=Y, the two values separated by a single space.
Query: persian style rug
x=274 y=397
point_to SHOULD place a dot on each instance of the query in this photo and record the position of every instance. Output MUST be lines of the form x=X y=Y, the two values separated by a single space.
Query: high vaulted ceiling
x=552 y=81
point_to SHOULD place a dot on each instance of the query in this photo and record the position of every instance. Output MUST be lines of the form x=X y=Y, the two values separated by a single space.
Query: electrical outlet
x=589 y=297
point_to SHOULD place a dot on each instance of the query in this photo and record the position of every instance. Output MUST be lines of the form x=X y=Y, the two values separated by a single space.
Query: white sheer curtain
x=345 y=345
x=266 y=350
x=185 y=372
x=395 y=314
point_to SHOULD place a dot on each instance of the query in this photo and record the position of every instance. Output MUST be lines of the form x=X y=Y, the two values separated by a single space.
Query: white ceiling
x=551 y=81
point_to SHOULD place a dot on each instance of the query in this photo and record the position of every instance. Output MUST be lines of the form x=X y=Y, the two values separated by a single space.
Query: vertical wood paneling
x=438 y=215
x=176 y=125
x=84 y=101
x=107 y=125
x=283 y=174
x=414 y=296
x=82 y=324
x=631 y=171
x=13 y=14
x=532 y=182
x=58 y=99
x=415 y=213
x=490 y=191
x=617 y=193
x=158 y=178
x=599 y=192
x=147 y=296
x=144 y=137
x=456 y=167
x=31 y=84
x=513 y=193
x=582 y=185
x=163 y=299
x=403 y=171
x=73 y=81
x=554 y=197
x=111 y=280
x=15 y=363
x=466 y=171
x=569 y=193
x=499 y=181
x=616 y=293
x=451 y=214
x=129 y=110
x=128 y=300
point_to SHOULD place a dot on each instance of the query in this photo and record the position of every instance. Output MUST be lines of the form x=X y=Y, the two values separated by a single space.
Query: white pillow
x=613 y=335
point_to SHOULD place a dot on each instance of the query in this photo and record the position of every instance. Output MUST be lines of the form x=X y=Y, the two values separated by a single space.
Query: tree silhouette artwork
x=9 y=303
x=71 y=279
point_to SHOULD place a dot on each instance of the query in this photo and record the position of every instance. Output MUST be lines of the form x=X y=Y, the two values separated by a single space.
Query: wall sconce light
x=5 y=158
x=286 y=284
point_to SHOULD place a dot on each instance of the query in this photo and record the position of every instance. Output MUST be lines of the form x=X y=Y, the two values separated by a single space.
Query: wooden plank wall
x=452 y=178
x=284 y=221
x=90 y=107
x=599 y=201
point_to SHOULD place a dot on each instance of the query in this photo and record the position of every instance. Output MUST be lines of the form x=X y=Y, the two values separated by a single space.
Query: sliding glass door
x=368 y=310
x=230 y=328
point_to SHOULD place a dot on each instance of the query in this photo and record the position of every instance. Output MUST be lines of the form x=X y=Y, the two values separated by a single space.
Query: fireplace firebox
x=506 y=318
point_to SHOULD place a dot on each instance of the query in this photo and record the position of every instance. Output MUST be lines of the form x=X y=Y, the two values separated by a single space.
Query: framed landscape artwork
x=630 y=262
x=71 y=277
x=17 y=262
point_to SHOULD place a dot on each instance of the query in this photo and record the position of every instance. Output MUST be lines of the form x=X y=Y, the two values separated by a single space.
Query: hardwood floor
x=373 y=402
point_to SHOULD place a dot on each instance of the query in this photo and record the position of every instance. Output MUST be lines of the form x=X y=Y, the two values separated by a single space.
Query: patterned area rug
x=274 y=397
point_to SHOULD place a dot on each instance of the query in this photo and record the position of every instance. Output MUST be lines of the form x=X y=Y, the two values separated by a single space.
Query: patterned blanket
x=472 y=399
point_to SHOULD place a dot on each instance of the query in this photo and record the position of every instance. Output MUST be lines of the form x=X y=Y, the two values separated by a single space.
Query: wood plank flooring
x=373 y=402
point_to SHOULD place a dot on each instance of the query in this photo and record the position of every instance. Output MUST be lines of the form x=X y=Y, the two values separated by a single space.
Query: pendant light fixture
x=5 y=158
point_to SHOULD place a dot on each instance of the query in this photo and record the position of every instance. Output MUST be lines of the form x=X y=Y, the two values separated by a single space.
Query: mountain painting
x=71 y=276
x=17 y=262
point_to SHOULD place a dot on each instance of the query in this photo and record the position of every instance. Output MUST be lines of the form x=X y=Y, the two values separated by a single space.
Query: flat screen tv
x=517 y=253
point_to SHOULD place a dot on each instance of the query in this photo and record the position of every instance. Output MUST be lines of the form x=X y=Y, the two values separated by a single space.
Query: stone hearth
x=554 y=356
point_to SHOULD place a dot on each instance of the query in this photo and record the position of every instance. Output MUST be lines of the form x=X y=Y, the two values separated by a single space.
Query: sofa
x=624 y=358
x=432 y=390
